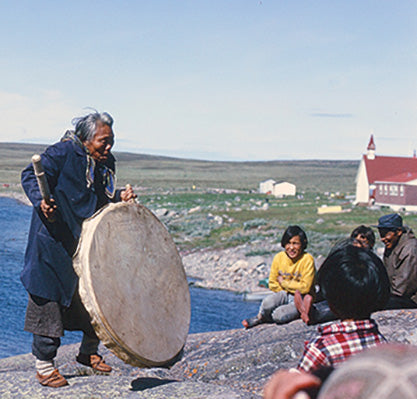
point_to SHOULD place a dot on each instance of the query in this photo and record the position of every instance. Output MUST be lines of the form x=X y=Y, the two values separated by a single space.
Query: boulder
x=160 y=212
x=195 y=209
x=239 y=265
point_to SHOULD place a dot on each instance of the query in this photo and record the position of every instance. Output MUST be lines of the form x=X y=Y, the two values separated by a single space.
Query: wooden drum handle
x=41 y=178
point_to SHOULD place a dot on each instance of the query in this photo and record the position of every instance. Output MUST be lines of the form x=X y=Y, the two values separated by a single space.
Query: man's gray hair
x=86 y=126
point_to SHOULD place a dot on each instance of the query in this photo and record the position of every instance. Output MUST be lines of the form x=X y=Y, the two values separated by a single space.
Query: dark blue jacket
x=48 y=271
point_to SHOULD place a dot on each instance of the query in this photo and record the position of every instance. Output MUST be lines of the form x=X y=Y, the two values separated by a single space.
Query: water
x=211 y=310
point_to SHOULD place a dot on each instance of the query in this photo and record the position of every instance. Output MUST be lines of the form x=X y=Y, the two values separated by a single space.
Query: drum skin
x=133 y=285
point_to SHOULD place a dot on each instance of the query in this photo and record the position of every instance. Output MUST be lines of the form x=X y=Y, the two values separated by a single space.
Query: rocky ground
x=227 y=269
x=225 y=364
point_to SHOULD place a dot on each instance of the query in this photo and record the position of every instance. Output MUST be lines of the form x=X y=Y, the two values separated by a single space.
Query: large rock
x=223 y=364
x=228 y=268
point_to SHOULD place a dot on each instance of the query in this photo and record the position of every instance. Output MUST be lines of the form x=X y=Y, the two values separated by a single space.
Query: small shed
x=267 y=186
x=283 y=189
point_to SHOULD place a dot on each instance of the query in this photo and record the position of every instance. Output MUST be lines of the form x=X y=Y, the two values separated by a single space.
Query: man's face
x=389 y=237
x=101 y=143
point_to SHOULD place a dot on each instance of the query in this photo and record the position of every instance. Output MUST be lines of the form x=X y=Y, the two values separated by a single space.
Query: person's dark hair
x=291 y=232
x=366 y=232
x=354 y=282
x=86 y=126
x=340 y=244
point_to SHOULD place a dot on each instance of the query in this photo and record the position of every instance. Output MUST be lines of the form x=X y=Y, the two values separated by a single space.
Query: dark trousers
x=321 y=313
x=47 y=320
x=399 y=302
x=45 y=348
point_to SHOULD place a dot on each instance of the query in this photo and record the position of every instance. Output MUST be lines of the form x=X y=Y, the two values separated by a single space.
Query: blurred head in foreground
x=386 y=372
x=354 y=282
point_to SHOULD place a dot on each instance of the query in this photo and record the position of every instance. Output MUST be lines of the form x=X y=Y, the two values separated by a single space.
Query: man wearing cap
x=400 y=260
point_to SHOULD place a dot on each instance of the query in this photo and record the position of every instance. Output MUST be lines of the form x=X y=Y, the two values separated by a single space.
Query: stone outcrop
x=222 y=364
x=227 y=269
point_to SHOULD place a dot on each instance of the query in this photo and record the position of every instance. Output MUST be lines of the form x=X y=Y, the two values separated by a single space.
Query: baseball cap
x=391 y=221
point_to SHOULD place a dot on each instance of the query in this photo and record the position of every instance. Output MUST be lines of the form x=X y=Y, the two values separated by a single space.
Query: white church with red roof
x=389 y=181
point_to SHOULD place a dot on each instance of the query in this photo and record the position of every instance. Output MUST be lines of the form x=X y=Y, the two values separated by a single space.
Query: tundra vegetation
x=216 y=205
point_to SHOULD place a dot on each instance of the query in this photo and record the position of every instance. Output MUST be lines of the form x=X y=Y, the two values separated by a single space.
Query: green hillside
x=166 y=173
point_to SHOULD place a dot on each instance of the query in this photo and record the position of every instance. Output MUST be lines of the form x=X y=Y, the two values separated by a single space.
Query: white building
x=283 y=189
x=267 y=186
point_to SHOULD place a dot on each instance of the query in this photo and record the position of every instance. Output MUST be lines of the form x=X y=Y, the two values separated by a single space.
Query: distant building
x=266 y=187
x=283 y=189
x=279 y=190
x=385 y=180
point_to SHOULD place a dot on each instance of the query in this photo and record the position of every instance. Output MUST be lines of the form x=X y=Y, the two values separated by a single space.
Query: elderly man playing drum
x=80 y=173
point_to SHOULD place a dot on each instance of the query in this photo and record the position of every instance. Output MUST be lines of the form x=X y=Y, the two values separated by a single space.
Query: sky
x=232 y=80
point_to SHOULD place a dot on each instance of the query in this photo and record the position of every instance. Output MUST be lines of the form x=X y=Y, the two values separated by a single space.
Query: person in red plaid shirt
x=355 y=283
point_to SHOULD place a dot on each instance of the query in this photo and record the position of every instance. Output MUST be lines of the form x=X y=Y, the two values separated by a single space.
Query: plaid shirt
x=338 y=341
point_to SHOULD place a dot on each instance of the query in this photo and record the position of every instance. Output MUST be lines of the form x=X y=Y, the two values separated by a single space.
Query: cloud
x=330 y=115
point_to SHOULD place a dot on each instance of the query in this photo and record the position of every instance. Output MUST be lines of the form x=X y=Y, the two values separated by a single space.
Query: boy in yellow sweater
x=291 y=270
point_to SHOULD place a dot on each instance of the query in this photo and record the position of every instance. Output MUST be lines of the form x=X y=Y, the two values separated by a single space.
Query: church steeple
x=371 y=148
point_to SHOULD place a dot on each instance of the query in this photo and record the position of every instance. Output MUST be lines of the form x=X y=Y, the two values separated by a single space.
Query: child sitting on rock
x=355 y=284
x=291 y=270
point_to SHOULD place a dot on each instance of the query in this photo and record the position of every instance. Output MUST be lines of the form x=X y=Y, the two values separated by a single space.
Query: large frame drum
x=133 y=285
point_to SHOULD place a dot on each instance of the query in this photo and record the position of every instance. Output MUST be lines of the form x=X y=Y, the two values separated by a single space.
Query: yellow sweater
x=299 y=275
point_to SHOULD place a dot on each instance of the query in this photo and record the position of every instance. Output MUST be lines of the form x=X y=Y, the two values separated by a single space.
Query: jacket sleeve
x=303 y=280
x=404 y=281
x=117 y=196
x=312 y=358
x=273 y=283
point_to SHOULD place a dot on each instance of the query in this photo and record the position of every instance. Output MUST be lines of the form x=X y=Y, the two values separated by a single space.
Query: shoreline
x=20 y=197
x=218 y=269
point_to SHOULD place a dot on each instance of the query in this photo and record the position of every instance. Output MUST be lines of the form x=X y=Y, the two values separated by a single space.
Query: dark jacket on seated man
x=401 y=264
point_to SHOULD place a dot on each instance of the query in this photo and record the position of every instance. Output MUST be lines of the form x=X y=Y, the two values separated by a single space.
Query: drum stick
x=41 y=178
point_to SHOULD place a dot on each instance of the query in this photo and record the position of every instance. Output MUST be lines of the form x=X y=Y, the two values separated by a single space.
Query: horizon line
x=199 y=159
